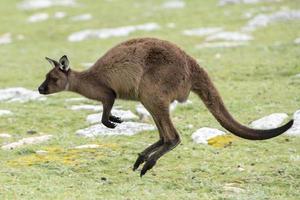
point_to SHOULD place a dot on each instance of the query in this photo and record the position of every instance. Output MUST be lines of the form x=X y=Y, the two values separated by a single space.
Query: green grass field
x=254 y=81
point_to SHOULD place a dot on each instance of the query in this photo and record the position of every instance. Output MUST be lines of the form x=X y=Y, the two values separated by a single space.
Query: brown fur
x=154 y=72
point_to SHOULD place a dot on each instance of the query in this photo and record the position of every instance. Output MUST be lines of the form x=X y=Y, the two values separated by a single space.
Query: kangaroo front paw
x=109 y=124
x=115 y=119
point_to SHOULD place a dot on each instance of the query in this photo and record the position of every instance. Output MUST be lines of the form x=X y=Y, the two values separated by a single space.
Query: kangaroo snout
x=42 y=90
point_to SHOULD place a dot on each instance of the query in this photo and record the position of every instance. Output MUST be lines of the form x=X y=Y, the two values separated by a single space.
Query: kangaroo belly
x=125 y=81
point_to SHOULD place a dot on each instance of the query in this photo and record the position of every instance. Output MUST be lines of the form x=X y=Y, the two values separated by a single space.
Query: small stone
x=87 y=146
x=230 y=36
x=173 y=4
x=26 y=141
x=295 y=129
x=225 y=2
x=39 y=4
x=75 y=99
x=190 y=126
x=142 y=112
x=5 y=112
x=232 y=44
x=5 y=38
x=111 y=32
x=20 y=37
x=125 y=115
x=233 y=189
x=19 y=94
x=125 y=128
x=171 y=25
x=297 y=41
x=263 y=20
x=83 y=17
x=5 y=135
x=270 y=121
x=218 y=56
x=202 y=31
x=240 y=168
x=202 y=135
x=38 y=17
x=41 y=152
x=59 y=15
x=95 y=108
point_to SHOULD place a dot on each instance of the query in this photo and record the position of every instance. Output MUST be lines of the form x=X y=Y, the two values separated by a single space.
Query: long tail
x=203 y=86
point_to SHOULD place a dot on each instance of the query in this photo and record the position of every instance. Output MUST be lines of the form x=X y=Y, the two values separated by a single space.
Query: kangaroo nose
x=41 y=90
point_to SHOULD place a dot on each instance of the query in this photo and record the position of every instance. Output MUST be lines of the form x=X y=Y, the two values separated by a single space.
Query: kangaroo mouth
x=43 y=91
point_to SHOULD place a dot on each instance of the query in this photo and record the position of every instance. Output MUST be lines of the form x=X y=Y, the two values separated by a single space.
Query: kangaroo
x=154 y=72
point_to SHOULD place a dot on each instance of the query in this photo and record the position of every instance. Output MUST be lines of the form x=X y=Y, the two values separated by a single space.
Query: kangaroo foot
x=147 y=166
x=115 y=119
x=109 y=124
x=140 y=160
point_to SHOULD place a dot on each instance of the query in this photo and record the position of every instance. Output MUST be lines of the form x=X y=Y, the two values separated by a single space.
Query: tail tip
x=290 y=124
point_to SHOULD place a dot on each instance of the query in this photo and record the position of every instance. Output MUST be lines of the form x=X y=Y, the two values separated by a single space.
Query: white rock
x=295 y=129
x=142 y=111
x=38 y=4
x=270 y=121
x=202 y=135
x=218 y=56
x=125 y=128
x=221 y=44
x=83 y=17
x=297 y=76
x=5 y=112
x=77 y=99
x=88 y=146
x=297 y=40
x=86 y=107
x=20 y=37
x=248 y=15
x=41 y=152
x=38 y=17
x=125 y=115
x=262 y=20
x=111 y=32
x=225 y=2
x=5 y=38
x=202 y=31
x=5 y=135
x=230 y=36
x=173 y=4
x=175 y=103
x=59 y=15
x=171 y=25
x=233 y=189
x=19 y=94
x=190 y=126
x=26 y=141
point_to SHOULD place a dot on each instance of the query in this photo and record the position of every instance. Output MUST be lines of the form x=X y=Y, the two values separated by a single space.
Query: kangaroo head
x=57 y=77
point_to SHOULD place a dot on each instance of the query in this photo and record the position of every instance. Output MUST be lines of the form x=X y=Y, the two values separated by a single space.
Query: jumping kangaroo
x=154 y=72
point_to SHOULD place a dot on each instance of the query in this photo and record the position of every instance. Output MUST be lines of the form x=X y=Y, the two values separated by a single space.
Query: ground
x=255 y=80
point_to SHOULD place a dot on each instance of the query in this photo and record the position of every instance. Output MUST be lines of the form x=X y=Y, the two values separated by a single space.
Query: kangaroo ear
x=64 y=63
x=54 y=63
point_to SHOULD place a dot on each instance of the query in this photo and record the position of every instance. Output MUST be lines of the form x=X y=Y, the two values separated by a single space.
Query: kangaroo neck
x=78 y=82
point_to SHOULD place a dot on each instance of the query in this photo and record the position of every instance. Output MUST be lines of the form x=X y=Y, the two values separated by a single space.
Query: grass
x=254 y=81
